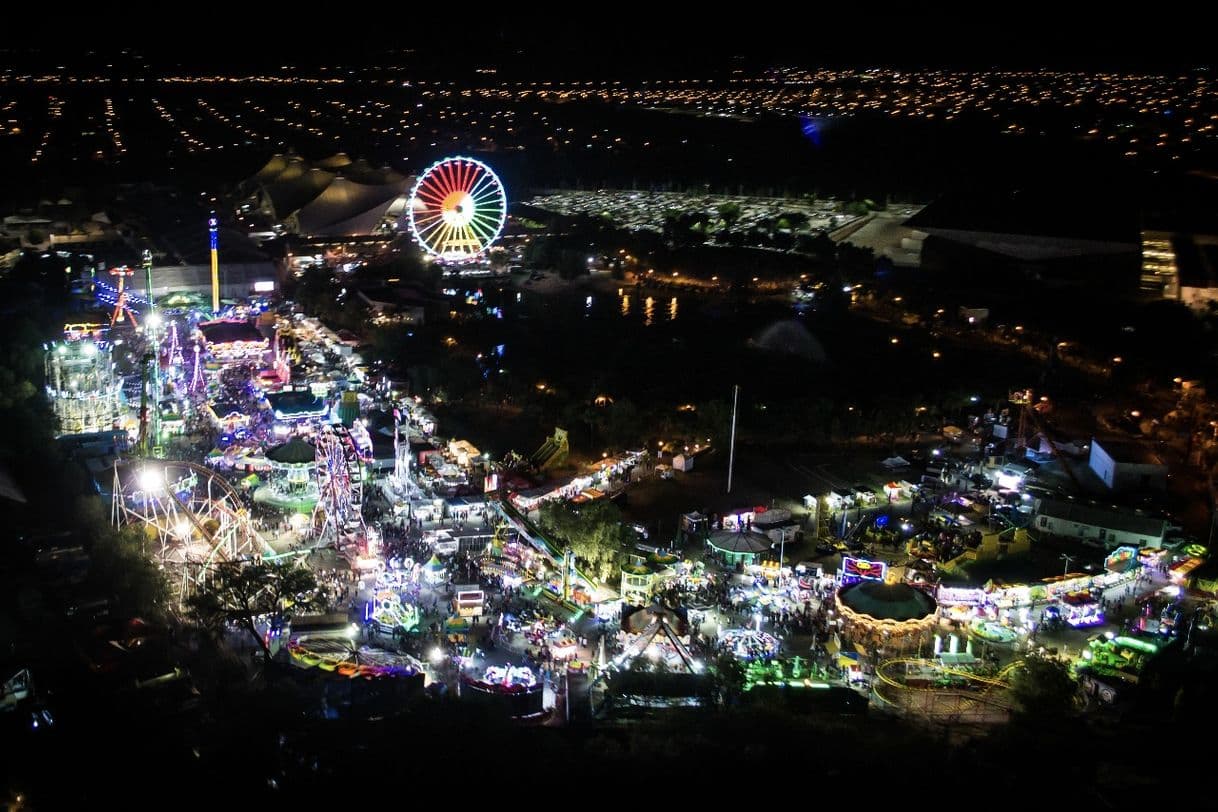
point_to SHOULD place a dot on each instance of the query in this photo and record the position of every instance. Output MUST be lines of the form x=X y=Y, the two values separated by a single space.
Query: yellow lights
x=1135 y=413
x=449 y=341
x=894 y=340
x=936 y=354
x=1117 y=359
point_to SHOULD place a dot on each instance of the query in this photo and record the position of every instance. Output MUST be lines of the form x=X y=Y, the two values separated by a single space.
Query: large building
x=1125 y=466
x=1068 y=234
x=1181 y=266
x=1180 y=242
x=334 y=197
x=237 y=280
x=1110 y=528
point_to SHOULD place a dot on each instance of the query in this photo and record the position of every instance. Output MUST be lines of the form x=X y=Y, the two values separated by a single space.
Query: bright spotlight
x=151 y=480
x=183 y=529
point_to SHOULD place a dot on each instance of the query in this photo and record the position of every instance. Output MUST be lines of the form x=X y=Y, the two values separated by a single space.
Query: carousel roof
x=291 y=404
x=294 y=452
x=225 y=331
x=887 y=601
x=747 y=541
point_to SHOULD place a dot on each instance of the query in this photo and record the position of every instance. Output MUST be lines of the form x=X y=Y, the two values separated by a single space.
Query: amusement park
x=313 y=513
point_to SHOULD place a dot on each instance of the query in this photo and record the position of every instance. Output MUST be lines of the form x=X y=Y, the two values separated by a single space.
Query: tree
x=120 y=567
x=729 y=676
x=244 y=594
x=594 y=532
x=1044 y=688
x=729 y=213
x=714 y=421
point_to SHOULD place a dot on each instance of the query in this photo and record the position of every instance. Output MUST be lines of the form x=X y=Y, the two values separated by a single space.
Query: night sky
x=631 y=41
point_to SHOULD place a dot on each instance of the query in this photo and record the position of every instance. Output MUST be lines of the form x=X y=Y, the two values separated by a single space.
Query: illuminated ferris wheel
x=457 y=208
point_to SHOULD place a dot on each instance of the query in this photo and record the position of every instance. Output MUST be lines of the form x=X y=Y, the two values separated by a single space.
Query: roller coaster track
x=940 y=700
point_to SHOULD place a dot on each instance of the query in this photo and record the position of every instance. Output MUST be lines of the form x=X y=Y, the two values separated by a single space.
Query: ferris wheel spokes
x=457 y=209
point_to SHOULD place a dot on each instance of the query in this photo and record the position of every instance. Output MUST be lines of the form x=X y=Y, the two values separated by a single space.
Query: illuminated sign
x=264 y=287
x=860 y=569
x=956 y=595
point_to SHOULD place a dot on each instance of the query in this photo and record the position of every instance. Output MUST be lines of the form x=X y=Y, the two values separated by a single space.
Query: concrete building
x=238 y=280
x=1127 y=466
x=1109 y=528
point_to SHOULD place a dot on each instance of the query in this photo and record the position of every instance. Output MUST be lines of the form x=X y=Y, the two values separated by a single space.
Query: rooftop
x=294 y=452
x=730 y=541
x=1129 y=452
x=1102 y=517
x=225 y=332
x=887 y=601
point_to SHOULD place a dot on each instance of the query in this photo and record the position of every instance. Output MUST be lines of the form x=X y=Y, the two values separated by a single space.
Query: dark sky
x=626 y=40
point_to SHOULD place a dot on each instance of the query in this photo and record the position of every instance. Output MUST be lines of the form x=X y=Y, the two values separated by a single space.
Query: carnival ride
x=937 y=692
x=191 y=513
x=515 y=691
x=993 y=633
x=509 y=678
x=390 y=613
x=82 y=386
x=748 y=645
x=573 y=579
x=122 y=309
x=661 y=642
x=341 y=658
x=457 y=208
x=552 y=452
x=340 y=473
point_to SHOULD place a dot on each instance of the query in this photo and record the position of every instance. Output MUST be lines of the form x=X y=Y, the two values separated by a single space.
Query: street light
x=1067 y=559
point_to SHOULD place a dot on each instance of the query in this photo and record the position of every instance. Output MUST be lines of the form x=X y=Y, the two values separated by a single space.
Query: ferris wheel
x=339 y=508
x=457 y=208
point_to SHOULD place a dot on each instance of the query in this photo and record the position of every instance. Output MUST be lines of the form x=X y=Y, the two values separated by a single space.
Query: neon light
x=457 y=208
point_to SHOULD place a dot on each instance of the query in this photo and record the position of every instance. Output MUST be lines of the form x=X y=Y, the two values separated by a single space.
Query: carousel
x=292 y=481
x=749 y=645
x=880 y=614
